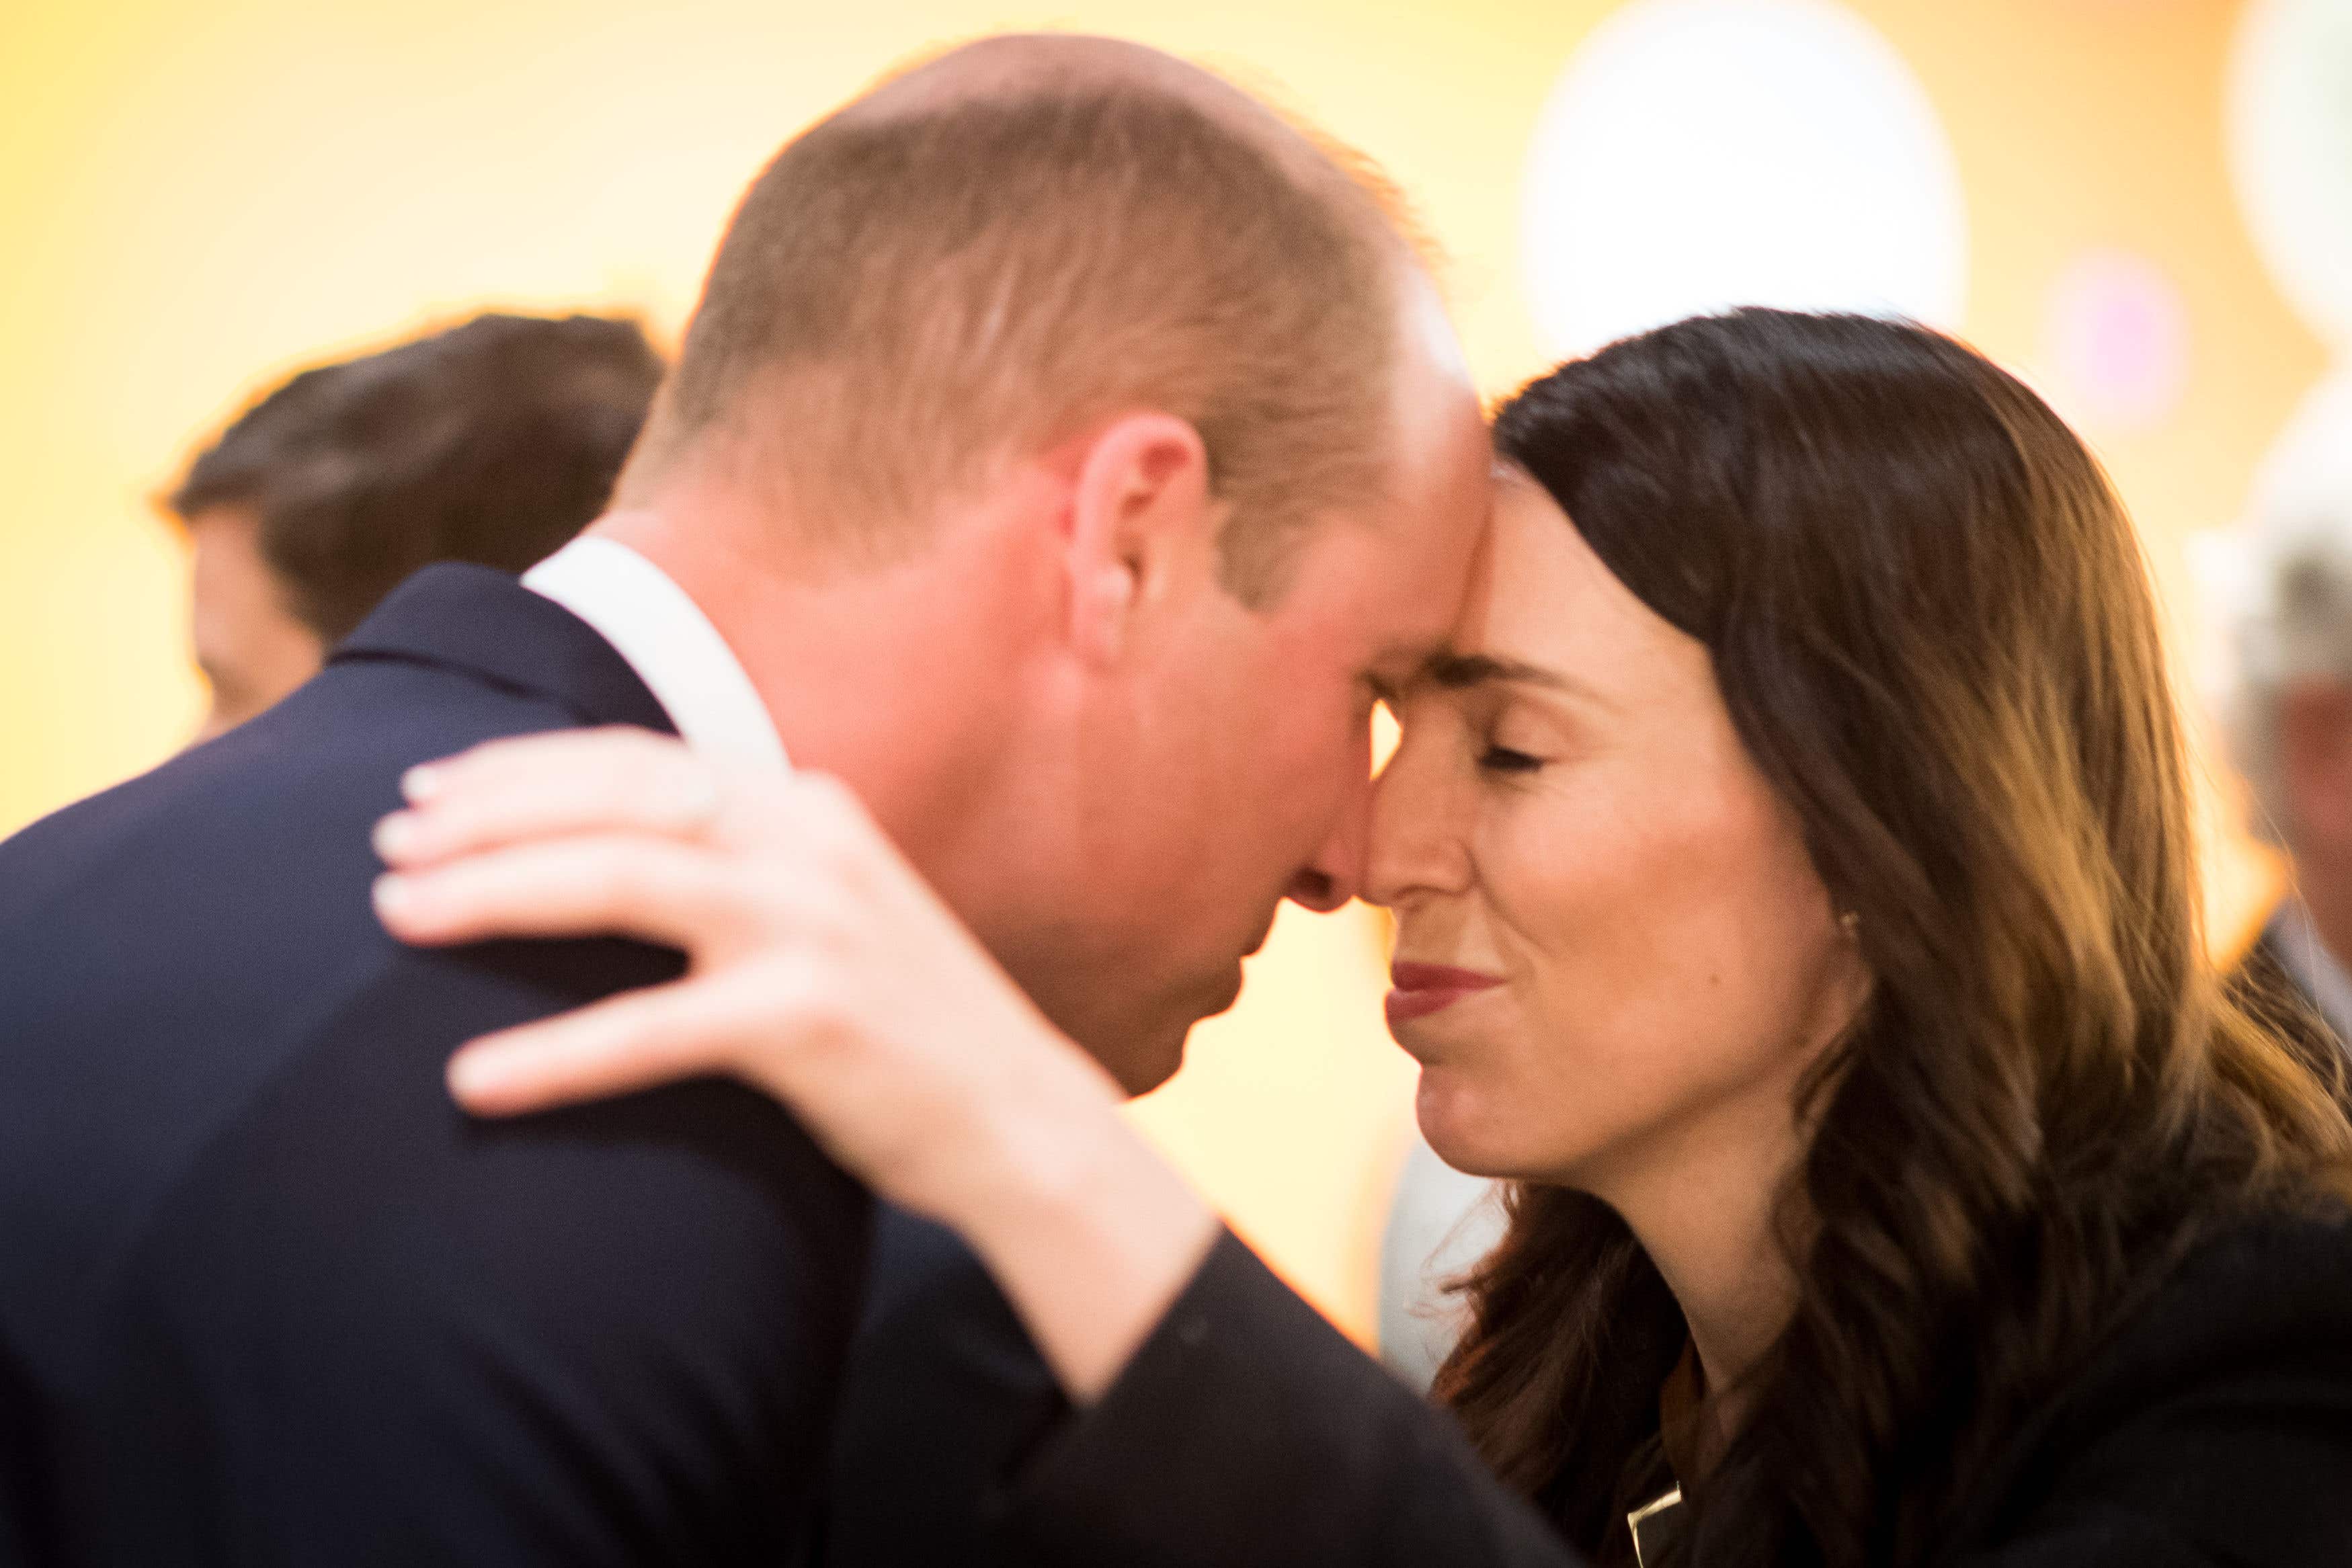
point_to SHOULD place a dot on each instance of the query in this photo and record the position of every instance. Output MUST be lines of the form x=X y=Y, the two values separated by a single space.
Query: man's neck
x=895 y=678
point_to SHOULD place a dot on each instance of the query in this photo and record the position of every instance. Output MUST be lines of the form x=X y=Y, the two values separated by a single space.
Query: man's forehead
x=1441 y=450
x=1399 y=601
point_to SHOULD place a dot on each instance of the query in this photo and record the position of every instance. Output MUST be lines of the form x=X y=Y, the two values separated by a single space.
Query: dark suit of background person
x=2279 y=980
x=267 y=1296
x=2213 y=1427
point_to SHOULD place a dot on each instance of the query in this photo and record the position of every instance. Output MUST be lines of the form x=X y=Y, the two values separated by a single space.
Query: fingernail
x=395 y=895
x=475 y=1074
x=420 y=783
x=394 y=835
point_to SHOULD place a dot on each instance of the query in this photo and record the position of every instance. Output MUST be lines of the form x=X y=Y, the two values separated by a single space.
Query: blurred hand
x=822 y=969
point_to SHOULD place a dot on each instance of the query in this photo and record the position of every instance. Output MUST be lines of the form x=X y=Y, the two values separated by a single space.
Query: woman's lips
x=1423 y=988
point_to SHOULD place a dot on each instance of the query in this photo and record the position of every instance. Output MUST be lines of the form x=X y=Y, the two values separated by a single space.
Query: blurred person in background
x=1064 y=453
x=2288 y=711
x=1797 y=904
x=492 y=442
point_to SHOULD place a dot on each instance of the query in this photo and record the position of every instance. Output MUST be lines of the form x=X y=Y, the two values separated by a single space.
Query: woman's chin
x=1456 y=1123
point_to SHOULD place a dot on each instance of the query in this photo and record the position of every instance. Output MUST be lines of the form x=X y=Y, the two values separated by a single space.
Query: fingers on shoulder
x=620 y=748
x=616 y=884
x=538 y=786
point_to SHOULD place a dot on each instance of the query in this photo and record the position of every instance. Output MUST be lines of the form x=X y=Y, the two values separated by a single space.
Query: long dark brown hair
x=1931 y=623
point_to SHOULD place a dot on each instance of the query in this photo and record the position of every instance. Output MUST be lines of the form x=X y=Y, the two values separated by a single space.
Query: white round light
x=2306 y=479
x=2291 y=150
x=1698 y=154
x=2301 y=491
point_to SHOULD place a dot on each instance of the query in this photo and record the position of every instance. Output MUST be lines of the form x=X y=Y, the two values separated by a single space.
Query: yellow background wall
x=194 y=199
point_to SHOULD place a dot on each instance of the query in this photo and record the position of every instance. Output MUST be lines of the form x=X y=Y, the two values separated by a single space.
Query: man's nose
x=1328 y=881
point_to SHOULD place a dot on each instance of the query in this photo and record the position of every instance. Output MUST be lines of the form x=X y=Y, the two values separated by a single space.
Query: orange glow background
x=195 y=199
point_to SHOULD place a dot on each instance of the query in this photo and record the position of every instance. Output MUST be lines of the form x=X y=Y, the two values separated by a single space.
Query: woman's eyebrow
x=1457 y=672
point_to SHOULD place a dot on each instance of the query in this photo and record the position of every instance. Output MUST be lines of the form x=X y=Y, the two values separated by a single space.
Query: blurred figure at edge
x=492 y=442
x=2288 y=715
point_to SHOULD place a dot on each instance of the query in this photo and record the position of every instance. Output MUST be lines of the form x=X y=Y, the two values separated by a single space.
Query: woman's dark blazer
x=2213 y=1429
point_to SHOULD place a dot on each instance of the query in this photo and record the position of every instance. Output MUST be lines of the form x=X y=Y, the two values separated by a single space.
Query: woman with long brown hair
x=1930 y=629
x=1796 y=901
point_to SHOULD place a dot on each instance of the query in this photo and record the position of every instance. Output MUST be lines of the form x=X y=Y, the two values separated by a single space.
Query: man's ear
x=2314 y=745
x=1140 y=505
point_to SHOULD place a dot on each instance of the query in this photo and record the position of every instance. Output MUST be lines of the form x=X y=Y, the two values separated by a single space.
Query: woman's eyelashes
x=1494 y=758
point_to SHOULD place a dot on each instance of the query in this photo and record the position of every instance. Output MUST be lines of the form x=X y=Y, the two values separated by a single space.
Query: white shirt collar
x=670 y=644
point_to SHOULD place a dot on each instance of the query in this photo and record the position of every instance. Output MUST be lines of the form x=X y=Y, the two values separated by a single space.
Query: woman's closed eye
x=1497 y=758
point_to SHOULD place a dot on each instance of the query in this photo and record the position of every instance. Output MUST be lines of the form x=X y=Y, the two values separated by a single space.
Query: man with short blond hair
x=1064 y=456
x=1068 y=309
x=991 y=258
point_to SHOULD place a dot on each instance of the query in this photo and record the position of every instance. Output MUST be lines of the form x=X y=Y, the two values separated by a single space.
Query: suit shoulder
x=172 y=945
x=358 y=1123
x=328 y=756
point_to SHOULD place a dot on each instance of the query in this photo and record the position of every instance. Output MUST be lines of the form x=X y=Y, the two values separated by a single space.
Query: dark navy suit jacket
x=946 y=1395
x=267 y=1296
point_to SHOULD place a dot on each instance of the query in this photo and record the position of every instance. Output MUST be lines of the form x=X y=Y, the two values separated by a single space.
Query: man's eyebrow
x=1402 y=664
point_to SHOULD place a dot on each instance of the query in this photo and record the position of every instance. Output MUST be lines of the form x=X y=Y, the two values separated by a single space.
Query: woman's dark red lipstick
x=1423 y=988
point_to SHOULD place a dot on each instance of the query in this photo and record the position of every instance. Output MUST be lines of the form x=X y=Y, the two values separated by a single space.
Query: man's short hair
x=493 y=442
x=904 y=298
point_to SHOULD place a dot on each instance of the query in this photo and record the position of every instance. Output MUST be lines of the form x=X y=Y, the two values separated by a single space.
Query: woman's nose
x=1414 y=846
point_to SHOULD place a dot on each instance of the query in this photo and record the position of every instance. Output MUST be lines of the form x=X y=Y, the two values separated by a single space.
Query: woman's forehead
x=1541 y=587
